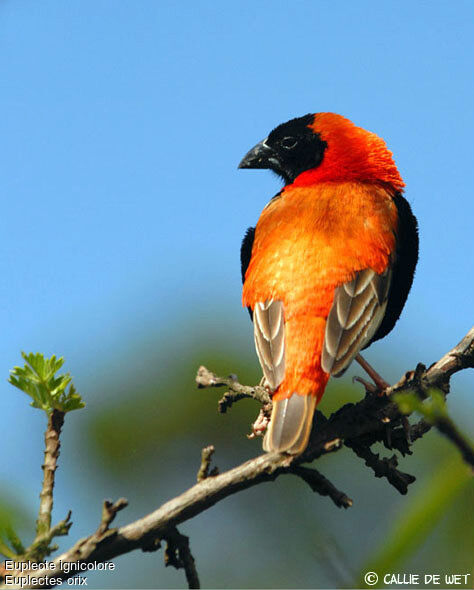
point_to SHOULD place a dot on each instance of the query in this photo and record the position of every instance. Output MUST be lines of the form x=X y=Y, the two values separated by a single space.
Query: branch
x=178 y=554
x=383 y=467
x=109 y=512
x=41 y=546
x=362 y=424
x=51 y=454
x=147 y=532
x=237 y=391
x=318 y=483
x=459 y=358
x=447 y=427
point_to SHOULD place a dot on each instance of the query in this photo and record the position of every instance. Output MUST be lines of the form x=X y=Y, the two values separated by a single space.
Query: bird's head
x=324 y=147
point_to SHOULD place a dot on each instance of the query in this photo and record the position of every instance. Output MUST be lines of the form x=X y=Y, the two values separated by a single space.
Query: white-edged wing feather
x=269 y=332
x=356 y=313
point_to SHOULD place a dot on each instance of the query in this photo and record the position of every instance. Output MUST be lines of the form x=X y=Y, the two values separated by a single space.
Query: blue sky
x=122 y=125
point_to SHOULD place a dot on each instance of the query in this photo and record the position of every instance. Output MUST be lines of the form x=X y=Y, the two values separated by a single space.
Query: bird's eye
x=288 y=142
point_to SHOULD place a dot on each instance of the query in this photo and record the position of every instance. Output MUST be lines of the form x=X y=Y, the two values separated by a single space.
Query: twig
x=386 y=467
x=178 y=554
x=41 y=546
x=318 y=483
x=459 y=358
x=400 y=439
x=206 y=456
x=109 y=512
x=237 y=391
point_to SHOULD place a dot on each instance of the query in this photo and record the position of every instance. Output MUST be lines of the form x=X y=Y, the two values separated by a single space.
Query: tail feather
x=290 y=425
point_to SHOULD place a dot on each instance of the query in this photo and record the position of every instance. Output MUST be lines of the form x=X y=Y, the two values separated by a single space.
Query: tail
x=290 y=425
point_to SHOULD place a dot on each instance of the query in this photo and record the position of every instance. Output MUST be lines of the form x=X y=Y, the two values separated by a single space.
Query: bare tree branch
x=318 y=483
x=360 y=424
x=178 y=554
x=386 y=467
x=459 y=358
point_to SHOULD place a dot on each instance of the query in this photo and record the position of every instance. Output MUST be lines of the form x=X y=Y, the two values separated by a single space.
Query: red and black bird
x=328 y=267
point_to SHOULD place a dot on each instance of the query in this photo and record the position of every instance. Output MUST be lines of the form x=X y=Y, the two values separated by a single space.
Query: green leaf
x=420 y=517
x=433 y=408
x=48 y=391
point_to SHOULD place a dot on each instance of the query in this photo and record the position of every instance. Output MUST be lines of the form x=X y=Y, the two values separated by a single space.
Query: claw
x=369 y=387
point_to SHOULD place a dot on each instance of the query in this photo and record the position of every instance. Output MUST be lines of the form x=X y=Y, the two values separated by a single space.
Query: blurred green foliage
x=13 y=515
x=432 y=408
x=142 y=436
x=421 y=515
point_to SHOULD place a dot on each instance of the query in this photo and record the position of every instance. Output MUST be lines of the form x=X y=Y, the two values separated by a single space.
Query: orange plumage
x=329 y=223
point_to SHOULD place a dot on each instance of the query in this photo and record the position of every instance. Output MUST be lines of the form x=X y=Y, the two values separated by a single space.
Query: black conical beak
x=260 y=156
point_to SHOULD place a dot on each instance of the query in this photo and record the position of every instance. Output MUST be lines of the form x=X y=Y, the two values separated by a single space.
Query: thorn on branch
x=206 y=457
x=321 y=485
x=178 y=554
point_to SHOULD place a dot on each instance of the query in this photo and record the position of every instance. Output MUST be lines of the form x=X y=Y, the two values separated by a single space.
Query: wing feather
x=357 y=311
x=269 y=332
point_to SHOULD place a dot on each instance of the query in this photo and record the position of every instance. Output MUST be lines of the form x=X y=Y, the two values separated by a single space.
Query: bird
x=328 y=267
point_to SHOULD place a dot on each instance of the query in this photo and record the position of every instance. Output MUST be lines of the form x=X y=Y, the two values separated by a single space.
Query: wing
x=357 y=319
x=356 y=313
x=404 y=266
x=269 y=324
x=269 y=332
x=246 y=251
x=245 y=255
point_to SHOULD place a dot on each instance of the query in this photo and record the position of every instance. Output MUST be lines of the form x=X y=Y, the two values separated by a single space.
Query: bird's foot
x=380 y=384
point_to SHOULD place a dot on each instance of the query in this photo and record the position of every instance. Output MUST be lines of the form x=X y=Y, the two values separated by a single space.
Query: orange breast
x=307 y=242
